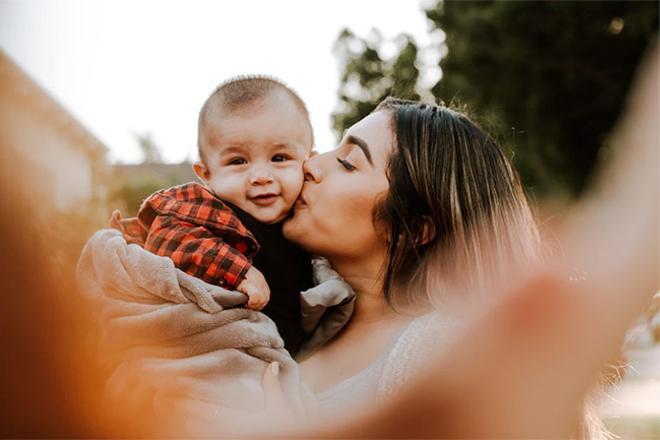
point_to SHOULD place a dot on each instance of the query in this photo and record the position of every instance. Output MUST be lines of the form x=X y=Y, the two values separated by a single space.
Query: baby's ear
x=201 y=171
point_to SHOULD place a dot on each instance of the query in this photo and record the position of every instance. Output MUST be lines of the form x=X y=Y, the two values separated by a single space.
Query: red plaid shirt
x=198 y=231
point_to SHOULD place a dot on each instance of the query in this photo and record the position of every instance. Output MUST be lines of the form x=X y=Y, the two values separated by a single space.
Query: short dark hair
x=240 y=92
x=448 y=174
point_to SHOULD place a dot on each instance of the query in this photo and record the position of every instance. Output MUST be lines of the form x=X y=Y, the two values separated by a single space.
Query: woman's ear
x=428 y=231
x=201 y=171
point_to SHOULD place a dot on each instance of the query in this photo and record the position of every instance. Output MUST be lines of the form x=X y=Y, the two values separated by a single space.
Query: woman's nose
x=312 y=169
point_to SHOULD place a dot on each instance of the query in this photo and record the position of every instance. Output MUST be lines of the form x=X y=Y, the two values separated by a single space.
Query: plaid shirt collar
x=196 y=204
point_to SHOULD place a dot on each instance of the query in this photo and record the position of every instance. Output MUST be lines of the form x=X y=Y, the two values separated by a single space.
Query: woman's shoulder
x=423 y=336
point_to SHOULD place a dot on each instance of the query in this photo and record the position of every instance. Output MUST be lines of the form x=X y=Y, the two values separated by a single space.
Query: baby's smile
x=264 y=199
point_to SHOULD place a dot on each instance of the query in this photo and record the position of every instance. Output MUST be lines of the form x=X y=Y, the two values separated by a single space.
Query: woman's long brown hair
x=456 y=209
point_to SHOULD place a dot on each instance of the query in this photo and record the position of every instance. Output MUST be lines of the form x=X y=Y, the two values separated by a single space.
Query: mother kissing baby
x=417 y=209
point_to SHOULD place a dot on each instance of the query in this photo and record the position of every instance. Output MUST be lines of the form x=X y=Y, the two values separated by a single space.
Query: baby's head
x=254 y=134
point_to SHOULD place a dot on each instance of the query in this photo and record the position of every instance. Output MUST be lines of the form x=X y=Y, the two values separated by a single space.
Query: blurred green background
x=549 y=79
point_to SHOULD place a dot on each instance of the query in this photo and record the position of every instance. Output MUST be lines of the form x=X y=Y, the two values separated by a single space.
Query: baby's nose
x=260 y=177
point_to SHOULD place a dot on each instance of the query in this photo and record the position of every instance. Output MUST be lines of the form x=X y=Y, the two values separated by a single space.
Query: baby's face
x=254 y=159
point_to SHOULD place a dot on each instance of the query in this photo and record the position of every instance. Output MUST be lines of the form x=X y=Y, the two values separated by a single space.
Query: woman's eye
x=279 y=158
x=349 y=166
x=237 y=161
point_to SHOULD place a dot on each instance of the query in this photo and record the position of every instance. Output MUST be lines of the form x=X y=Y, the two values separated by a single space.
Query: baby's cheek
x=292 y=182
x=230 y=187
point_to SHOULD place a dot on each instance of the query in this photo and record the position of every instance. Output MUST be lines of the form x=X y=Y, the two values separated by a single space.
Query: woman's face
x=333 y=216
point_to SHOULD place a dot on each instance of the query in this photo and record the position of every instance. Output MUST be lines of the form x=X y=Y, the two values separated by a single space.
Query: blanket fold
x=167 y=336
x=326 y=308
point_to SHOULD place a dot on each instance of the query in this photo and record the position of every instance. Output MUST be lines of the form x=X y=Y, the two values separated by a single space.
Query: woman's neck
x=366 y=280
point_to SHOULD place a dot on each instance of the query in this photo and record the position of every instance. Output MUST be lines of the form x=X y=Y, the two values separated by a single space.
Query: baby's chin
x=270 y=218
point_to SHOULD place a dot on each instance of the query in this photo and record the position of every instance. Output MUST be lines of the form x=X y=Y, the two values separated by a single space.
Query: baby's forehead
x=248 y=134
x=264 y=128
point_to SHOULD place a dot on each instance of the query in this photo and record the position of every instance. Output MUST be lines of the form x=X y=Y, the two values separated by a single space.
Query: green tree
x=548 y=78
x=368 y=78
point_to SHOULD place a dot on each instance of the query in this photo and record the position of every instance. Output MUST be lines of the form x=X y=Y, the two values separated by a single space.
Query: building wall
x=65 y=163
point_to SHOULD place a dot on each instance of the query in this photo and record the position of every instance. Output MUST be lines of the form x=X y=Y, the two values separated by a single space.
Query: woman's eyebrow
x=354 y=140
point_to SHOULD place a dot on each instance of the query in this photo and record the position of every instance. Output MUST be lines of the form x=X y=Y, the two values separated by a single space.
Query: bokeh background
x=99 y=102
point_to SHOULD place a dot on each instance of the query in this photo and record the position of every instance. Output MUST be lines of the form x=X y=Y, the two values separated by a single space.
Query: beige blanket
x=172 y=341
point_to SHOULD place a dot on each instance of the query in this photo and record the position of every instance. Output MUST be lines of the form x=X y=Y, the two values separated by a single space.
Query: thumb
x=273 y=395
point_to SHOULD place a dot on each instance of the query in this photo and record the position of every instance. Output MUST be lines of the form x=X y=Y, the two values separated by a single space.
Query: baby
x=254 y=134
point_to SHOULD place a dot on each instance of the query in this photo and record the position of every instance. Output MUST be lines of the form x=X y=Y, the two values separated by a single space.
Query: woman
x=416 y=206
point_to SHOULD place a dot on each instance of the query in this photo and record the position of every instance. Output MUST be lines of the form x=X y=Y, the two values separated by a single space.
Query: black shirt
x=288 y=271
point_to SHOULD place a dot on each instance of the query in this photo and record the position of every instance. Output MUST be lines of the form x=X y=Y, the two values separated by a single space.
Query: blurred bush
x=131 y=184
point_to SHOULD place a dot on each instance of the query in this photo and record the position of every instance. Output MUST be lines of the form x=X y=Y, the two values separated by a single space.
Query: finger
x=252 y=303
x=273 y=395
x=260 y=301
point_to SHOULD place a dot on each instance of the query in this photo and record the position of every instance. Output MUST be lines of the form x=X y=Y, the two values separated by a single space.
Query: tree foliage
x=368 y=78
x=549 y=78
x=127 y=194
x=555 y=74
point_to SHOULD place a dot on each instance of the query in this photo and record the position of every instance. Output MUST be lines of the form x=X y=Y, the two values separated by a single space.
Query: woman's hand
x=276 y=407
x=206 y=419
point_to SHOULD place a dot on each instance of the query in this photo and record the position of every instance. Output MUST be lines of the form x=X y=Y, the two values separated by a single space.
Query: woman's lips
x=300 y=203
x=264 y=199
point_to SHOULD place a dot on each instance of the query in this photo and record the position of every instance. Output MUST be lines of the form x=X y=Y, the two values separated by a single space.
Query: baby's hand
x=254 y=285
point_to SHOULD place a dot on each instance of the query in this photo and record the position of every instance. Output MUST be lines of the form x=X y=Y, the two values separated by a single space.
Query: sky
x=133 y=67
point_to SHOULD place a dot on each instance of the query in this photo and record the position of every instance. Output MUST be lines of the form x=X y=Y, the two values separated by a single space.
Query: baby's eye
x=280 y=158
x=237 y=161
